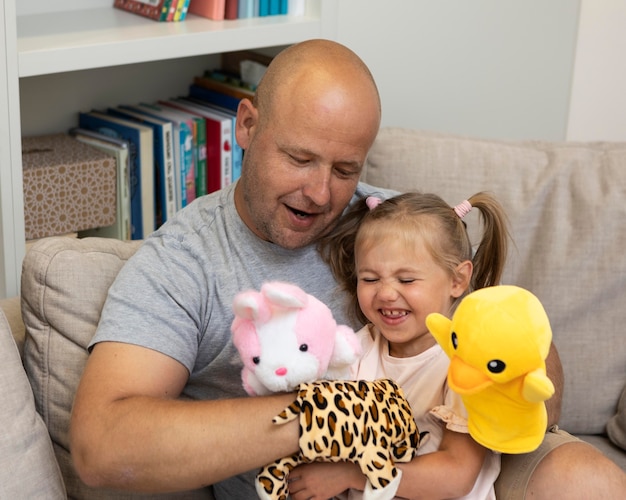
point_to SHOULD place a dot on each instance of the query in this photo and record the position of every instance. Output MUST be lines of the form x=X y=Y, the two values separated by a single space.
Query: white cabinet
x=67 y=56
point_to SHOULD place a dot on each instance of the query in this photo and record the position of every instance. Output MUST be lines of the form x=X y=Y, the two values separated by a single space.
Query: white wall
x=475 y=67
x=598 y=105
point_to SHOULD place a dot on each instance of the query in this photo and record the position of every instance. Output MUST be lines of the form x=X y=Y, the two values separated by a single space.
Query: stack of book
x=159 y=10
x=169 y=151
x=218 y=10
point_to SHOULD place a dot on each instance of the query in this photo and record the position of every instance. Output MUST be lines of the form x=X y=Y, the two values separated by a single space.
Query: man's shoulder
x=363 y=190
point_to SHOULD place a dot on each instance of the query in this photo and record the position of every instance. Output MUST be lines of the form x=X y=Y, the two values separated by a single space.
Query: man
x=160 y=407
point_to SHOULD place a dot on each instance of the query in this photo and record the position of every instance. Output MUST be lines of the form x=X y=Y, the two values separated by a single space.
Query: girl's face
x=399 y=284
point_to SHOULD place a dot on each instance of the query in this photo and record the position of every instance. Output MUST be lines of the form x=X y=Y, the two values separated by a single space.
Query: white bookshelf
x=71 y=55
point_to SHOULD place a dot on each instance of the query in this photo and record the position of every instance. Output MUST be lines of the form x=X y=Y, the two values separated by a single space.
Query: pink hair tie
x=463 y=208
x=372 y=202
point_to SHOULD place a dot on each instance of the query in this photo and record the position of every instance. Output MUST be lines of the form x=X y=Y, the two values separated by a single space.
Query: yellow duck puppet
x=497 y=342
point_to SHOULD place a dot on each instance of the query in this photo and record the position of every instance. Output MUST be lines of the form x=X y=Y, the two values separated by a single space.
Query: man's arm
x=129 y=430
x=554 y=370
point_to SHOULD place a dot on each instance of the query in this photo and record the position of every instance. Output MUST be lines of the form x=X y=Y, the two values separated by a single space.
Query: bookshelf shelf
x=64 y=56
x=92 y=38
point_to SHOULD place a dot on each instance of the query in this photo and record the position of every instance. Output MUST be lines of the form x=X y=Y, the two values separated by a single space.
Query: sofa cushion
x=616 y=427
x=565 y=202
x=28 y=467
x=64 y=284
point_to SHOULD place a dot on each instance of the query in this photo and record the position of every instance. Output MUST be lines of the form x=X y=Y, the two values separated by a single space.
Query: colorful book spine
x=274 y=7
x=264 y=8
x=219 y=133
x=214 y=97
x=237 y=152
x=296 y=7
x=119 y=149
x=108 y=126
x=165 y=199
x=211 y=9
x=230 y=9
x=246 y=8
x=152 y=9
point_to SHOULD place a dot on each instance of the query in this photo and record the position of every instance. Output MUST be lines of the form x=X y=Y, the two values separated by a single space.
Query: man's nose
x=317 y=188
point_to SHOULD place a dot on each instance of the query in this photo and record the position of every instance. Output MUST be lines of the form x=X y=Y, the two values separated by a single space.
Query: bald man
x=160 y=406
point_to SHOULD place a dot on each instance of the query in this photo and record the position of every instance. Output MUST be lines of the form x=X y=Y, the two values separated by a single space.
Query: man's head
x=314 y=117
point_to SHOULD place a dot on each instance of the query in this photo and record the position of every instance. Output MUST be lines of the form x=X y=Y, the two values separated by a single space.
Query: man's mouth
x=299 y=213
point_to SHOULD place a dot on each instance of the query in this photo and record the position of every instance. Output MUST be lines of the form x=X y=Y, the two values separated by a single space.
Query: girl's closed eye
x=368 y=279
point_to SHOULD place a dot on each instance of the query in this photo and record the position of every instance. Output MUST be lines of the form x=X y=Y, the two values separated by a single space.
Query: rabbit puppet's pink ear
x=251 y=305
x=285 y=295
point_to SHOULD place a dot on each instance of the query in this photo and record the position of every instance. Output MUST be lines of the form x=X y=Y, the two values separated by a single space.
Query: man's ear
x=462 y=278
x=247 y=120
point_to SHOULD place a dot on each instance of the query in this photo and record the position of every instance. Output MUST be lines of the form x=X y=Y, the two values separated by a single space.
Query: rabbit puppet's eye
x=256 y=360
x=304 y=347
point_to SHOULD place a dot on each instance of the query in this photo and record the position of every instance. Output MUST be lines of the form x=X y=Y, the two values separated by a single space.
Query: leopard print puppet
x=367 y=423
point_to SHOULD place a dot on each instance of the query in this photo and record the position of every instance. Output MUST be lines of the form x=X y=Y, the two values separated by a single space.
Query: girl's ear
x=462 y=278
x=247 y=119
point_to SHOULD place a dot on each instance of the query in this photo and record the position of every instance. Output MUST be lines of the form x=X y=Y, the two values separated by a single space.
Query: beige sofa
x=567 y=209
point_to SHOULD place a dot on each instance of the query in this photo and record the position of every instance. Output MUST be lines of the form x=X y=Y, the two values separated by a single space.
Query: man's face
x=300 y=171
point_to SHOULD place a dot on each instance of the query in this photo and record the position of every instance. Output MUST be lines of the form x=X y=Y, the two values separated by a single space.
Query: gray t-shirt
x=175 y=296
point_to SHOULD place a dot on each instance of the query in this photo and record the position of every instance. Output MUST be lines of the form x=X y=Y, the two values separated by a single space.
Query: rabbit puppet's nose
x=281 y=371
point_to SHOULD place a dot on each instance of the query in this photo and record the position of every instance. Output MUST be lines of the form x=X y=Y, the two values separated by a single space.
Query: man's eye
x=407 y=281
x=298 y=160
x=346 y=173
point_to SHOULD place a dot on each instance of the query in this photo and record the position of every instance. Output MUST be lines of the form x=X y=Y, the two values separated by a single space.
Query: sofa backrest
x=567 y=207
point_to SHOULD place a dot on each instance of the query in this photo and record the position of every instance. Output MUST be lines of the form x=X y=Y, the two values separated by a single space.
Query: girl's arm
x=449 y=472
x=324 y=480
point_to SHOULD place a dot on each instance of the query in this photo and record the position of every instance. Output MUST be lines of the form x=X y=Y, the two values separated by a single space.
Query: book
x=176 y=146
x=140 y=140
x=264 y=8
x=172 y=10
x=166 y=9
x=219 y=126
x=211 y=9
x=164 y=183
x=200 y=142
x=296 y=7
x=118 y=148
x=178 y=12
x=214 y=97
x=274 y=8
x=154 y=9
x=186 y=6
x=230 y=9
x=246 y=8
x=236 y=151
x=185 y=171
x=221 y=83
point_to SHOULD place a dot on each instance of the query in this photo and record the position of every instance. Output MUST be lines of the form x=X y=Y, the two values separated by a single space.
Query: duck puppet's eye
x=496 y=366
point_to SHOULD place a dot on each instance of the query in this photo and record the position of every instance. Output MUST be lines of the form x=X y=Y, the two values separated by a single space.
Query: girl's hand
x=323 y=480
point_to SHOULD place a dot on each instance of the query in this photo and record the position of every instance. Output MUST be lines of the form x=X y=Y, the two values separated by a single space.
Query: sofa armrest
x=11 y=309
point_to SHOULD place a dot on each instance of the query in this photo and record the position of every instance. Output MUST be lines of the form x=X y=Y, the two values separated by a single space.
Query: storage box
x=69 y=186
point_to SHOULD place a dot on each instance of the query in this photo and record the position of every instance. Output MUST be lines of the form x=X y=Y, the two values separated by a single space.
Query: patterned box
x=68 y=186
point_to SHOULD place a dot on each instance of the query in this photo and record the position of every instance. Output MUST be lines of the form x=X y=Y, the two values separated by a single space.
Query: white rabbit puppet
x=286 y=337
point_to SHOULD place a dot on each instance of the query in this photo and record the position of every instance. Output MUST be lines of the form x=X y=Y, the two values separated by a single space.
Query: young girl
x=400 y=260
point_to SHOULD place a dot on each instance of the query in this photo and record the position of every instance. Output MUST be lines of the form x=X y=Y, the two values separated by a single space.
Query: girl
x=400 y=260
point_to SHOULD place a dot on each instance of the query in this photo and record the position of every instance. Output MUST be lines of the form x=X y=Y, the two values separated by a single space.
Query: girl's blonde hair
x=430 y=218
